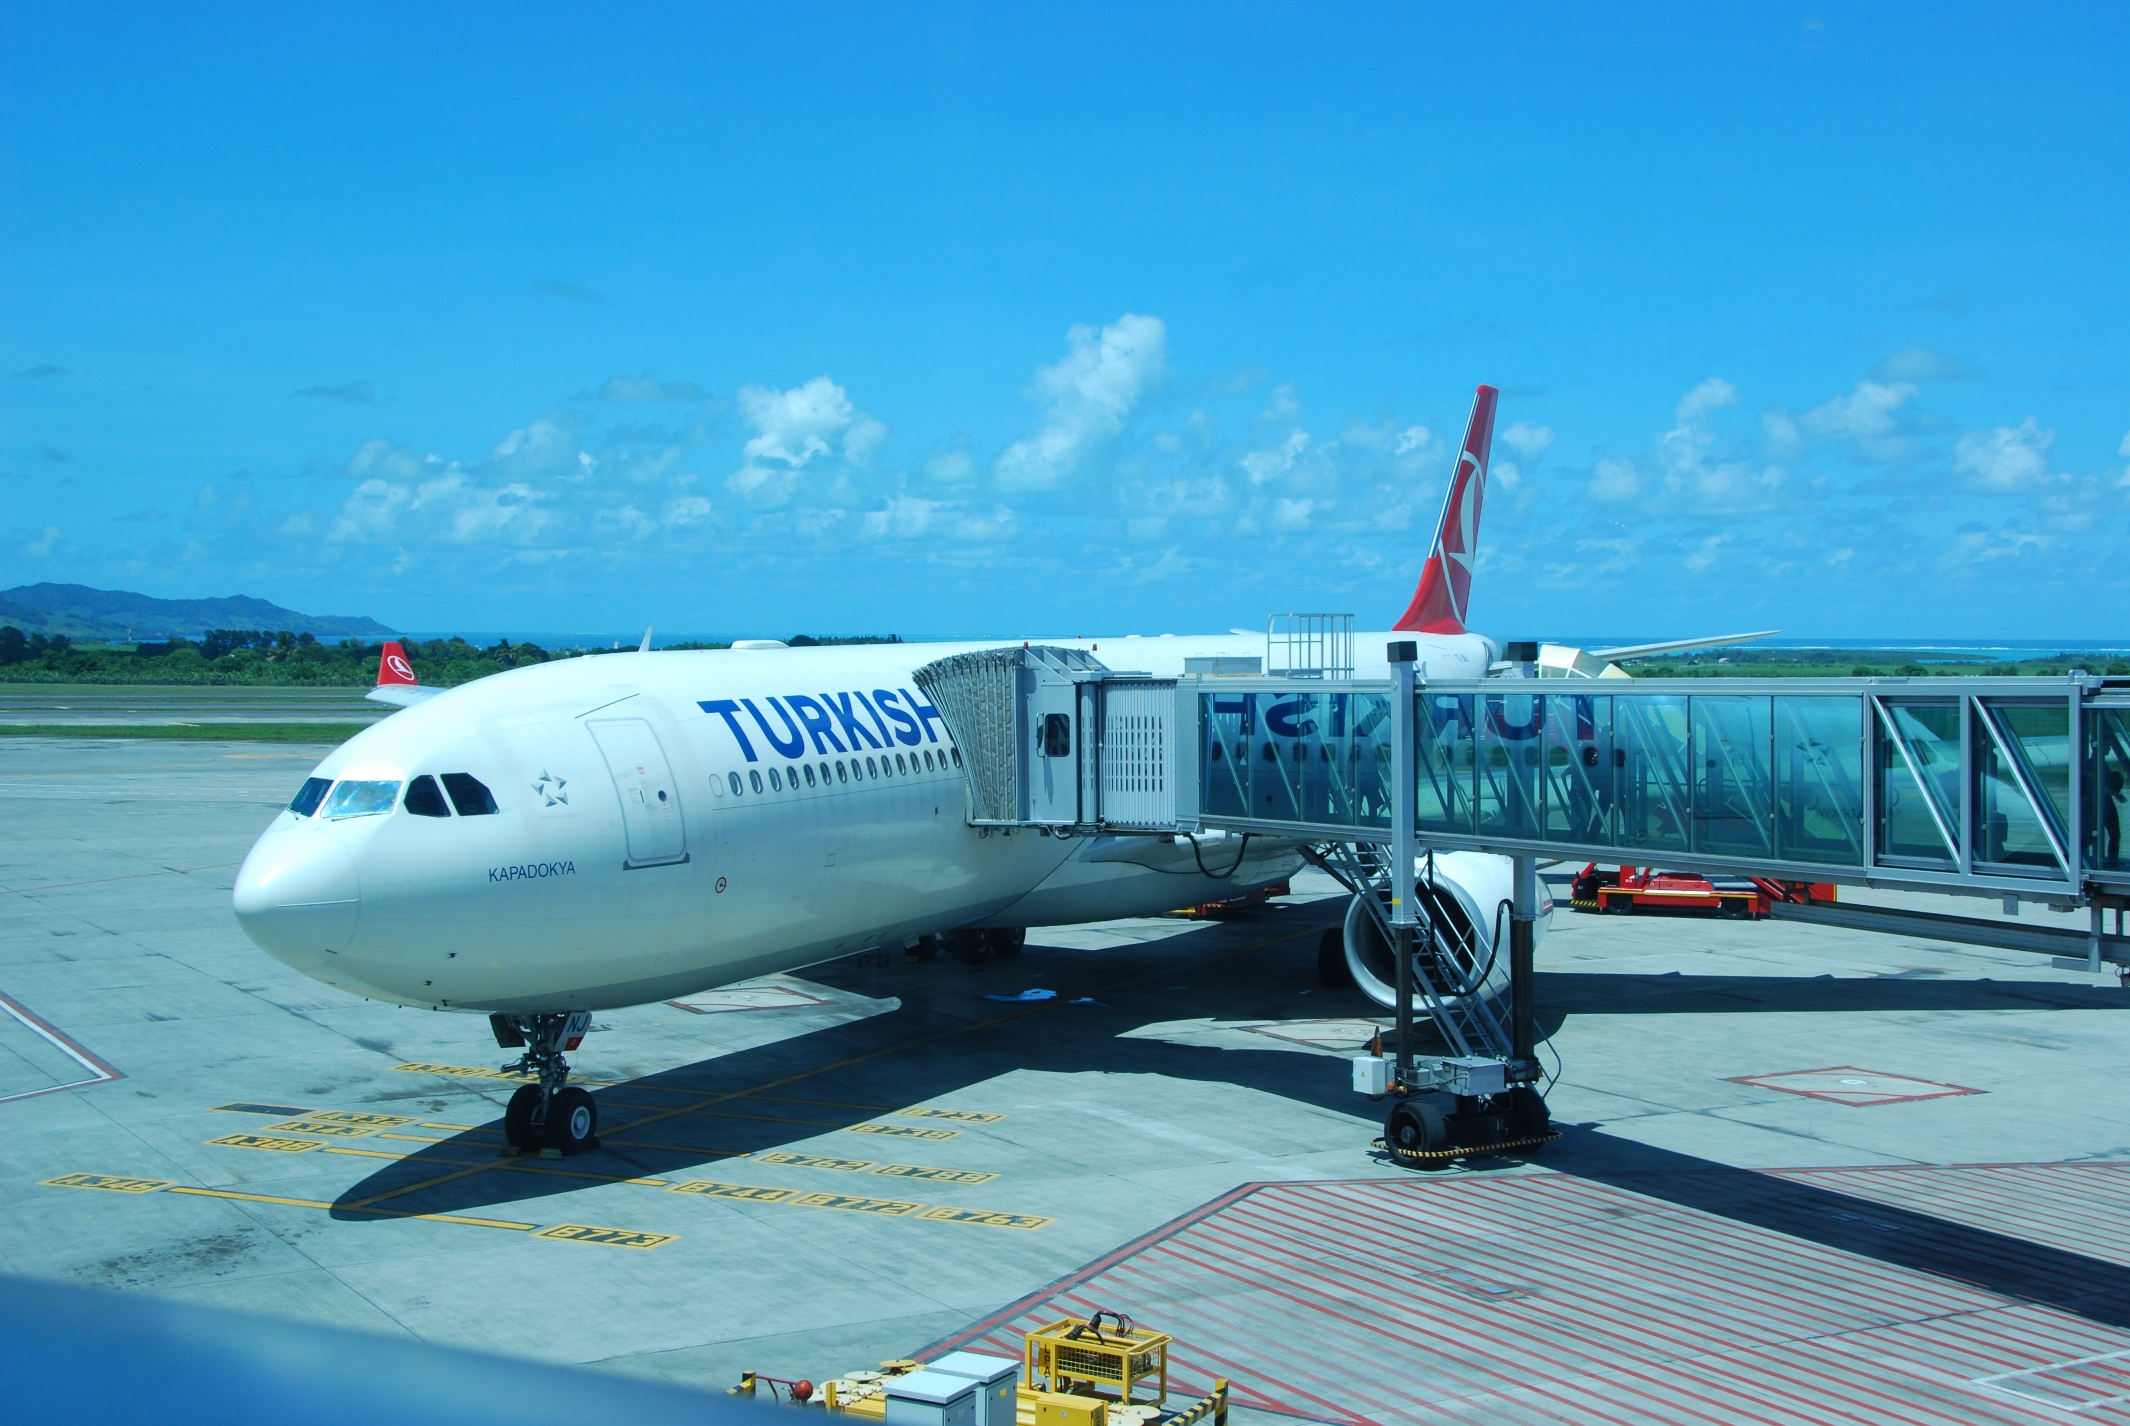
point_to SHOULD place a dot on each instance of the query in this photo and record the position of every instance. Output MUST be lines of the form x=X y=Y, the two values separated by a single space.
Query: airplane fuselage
x=670 y=821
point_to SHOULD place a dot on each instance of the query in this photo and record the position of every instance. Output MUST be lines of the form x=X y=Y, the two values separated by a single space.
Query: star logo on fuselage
x=550 y=787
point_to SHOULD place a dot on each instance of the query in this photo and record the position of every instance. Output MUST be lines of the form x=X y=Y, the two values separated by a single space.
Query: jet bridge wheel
x=1524 y=1113
x=518 y=1126
x=1415 y=1128
x=572 y=1121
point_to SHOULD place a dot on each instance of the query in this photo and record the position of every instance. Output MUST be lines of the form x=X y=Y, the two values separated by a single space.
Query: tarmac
x=1806 y=1174
x=140 y=704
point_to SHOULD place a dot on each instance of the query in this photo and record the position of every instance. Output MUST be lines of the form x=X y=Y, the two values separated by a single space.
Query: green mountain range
x=119 y=615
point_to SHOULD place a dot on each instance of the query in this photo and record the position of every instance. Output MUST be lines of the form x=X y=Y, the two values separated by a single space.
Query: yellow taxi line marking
x=425 y=1183
x=363 y=1153
x=673 y=1148
x=417 y=1138
x=461 y=1128
x=353 y=1208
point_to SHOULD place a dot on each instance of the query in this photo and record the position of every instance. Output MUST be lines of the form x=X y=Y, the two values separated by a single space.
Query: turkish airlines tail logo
x=1445 y=590
x=394 y=668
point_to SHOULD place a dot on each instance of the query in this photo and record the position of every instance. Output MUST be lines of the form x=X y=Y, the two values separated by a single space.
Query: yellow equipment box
x=1057 y=1408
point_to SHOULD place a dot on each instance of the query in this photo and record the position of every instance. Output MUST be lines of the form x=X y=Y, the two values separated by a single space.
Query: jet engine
x=1467 y=903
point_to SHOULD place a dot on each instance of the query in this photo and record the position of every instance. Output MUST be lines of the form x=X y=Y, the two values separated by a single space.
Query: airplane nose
x=297 y=897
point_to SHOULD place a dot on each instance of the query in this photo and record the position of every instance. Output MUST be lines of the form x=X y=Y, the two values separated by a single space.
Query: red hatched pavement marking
x=1858 y=1088
x=1548 y=1297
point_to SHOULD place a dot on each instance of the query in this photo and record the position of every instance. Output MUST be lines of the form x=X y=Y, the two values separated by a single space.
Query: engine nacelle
x=1469 y=900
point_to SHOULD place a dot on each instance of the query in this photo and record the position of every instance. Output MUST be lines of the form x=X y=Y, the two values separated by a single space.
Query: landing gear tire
x=1415 y=1128
x=518 y=1125
x=1007 y=940
x=572 y=1121
x=1331 y=967
x=969 y=947
x=1524 y=1112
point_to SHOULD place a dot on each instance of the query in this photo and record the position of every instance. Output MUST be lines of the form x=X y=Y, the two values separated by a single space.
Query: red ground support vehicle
x=1647 y=889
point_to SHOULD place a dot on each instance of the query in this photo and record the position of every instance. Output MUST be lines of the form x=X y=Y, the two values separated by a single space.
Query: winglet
x=396 y=683
x=1445 y=589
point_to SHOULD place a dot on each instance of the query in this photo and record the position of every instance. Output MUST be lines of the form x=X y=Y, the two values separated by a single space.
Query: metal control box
x=928 y=1398
x=1371 y=1075
x=1475 y=1074
x=994 y=1378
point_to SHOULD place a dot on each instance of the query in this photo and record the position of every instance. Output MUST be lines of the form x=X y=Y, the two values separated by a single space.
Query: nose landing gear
x=552 y=1114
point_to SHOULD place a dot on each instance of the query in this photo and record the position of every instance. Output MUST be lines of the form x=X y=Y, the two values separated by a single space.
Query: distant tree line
x=282 y=658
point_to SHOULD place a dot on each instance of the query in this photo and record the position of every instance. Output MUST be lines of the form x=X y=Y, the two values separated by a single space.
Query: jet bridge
x=2016 y=788
x=2003 y=787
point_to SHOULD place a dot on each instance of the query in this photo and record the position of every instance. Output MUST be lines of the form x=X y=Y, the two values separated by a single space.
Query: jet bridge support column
x=1523 y=976
x=1404 y=802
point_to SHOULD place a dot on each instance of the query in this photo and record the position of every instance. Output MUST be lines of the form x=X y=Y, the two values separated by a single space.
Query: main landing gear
x=552 y=1114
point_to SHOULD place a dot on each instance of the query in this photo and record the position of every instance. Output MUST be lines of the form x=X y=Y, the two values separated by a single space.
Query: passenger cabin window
x=776 y=782
x=870 y=770
x=735 y=777
x=900 y=765
x=311 y=794
x=809 y=774
x=469 y=795
x=957 y=756
x=426 y=799
x=361 y=799
x=755 y=778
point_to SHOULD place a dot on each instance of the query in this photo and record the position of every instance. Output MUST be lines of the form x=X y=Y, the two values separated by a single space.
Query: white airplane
x=608 y=831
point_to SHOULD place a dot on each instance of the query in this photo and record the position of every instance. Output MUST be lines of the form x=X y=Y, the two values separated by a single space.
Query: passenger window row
x=831 y=774
x=362 y=797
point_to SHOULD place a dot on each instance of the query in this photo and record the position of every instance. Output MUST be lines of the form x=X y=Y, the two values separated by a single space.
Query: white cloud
x=1708 y=396
x=1262 y=466
x=1086 y=398
x=1282 y=408
x=686 y=510
x=1784 y=440
x=2124 y=448
x=950 y=467
x=1921 y=364
x=793 y=429
x=1709 y=552
x=1292 y=514
x=2007 y=459
x=1865 y=412
x=1528 y=441
x=1506 y=474
x=648 y=388
x=1612 y=481
x=909 y=517
x=45 y=542
x=1412 y=438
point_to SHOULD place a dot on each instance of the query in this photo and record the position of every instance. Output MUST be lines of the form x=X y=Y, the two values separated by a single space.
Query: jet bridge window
x=312 y=793
x=469 y=795
x=1057 y=735
x=426 y=799
x=361 y=799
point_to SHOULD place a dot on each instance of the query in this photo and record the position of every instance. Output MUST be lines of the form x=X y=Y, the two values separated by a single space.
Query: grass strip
x=193 y=732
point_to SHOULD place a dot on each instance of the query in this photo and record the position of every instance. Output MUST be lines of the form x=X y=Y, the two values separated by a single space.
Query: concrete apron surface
x=1754 y=1213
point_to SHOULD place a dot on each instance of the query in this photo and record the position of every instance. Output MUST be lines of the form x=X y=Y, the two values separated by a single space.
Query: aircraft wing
x=401 y=695
x=1635 y=651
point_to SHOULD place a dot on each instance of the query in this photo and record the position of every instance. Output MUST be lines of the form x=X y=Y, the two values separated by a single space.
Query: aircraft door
x=650 y=798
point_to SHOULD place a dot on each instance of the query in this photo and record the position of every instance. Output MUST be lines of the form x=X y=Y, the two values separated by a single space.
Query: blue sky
x=997 y=320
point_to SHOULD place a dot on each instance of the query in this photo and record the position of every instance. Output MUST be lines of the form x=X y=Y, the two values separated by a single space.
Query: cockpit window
x=469 y=795
x=312 y=794
x=425 y=799
x=361 y=799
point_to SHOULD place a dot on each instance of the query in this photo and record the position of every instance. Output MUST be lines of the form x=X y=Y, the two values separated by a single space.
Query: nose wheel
x=552 y=1114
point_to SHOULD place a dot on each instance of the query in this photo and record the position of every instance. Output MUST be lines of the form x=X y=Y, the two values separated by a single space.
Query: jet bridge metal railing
x=2005 y=786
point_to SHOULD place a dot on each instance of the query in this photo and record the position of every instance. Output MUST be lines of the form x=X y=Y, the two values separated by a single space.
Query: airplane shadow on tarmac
x=946 y=1037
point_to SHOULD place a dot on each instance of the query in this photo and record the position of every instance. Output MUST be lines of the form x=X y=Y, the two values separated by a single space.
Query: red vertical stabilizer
x=394 y=668
x=1445 y=590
